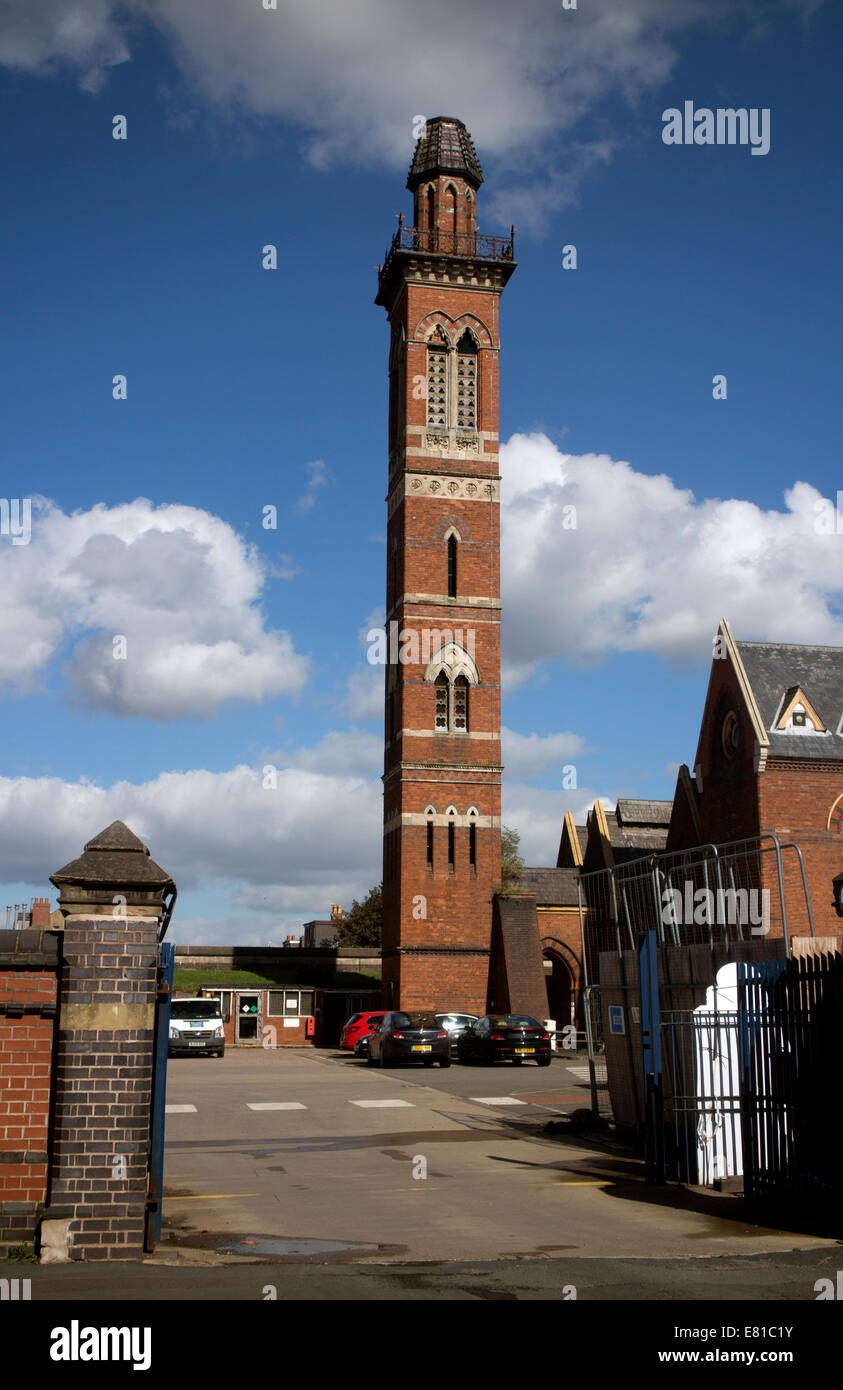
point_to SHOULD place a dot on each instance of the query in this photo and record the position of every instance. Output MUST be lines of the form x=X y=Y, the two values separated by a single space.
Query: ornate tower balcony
x=444 y=246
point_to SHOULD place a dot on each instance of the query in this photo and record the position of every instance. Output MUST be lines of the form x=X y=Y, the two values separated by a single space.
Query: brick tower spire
x=440 y=285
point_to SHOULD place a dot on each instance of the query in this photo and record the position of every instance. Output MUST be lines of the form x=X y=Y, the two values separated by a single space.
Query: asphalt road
x=301 y=1175
x=417 y=1164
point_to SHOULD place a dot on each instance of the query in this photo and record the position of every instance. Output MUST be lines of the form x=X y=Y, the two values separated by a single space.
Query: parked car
x=359 y=1024
x=512 y=1038
x=361 y=1047
x=416 y=1037
x=455 y=1025
x=196 y=1026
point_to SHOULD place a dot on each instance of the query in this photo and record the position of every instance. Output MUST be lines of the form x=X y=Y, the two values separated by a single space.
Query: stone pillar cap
x=114 y=862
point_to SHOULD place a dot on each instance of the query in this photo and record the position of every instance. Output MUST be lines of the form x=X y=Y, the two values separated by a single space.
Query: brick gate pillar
x=113 y=902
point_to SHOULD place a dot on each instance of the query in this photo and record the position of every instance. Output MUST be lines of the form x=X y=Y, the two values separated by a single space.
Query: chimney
x=39 y=917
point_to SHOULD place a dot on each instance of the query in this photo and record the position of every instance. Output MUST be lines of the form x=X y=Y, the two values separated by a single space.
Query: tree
x=362 y=925
x=511 y=861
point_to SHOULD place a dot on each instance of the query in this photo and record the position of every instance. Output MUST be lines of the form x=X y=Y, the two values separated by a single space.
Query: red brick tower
x=440 y=285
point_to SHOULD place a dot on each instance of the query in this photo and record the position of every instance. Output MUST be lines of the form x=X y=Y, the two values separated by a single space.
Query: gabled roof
x=572 y=843
x=775 y=670
x=727 y=648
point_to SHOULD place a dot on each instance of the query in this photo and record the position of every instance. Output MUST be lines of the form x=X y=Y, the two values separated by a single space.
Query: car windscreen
x=514 y=1021
x=194 y=1009
x=419 y=1021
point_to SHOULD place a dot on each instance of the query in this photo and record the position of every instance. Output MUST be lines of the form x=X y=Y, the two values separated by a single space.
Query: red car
x=358 y=1026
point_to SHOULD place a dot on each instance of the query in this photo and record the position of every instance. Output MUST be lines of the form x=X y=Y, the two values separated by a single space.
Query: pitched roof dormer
x=797 y=715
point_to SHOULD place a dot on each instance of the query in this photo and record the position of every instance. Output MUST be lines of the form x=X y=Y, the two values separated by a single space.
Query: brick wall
x=516 y=973
x=795 y=799
x=104 y=1084
x=28 y=980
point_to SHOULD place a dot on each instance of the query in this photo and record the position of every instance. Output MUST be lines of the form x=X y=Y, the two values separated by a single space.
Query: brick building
x=770 y=761
x=770 y=756
x=441 y=284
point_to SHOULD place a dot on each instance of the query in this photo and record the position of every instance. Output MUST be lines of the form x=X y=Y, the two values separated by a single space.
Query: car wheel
x=383 y=1058
x=489 y=1059
x=221 y=1052
x=370 y=1059
x=444 y=1061
x=544 y=1061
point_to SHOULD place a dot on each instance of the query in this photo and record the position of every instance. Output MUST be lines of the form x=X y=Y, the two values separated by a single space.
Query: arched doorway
x=562 y=981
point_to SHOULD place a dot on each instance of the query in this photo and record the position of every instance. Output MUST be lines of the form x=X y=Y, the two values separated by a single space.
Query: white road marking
x=180 y=1109
x=382 y=1104
x=275 y=1105
x=582 y=1073
x=498 y=1100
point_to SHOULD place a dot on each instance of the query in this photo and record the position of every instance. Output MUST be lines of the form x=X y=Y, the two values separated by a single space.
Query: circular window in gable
x=730 y=734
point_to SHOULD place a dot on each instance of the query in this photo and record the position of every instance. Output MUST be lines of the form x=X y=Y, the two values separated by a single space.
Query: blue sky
x=250 y=388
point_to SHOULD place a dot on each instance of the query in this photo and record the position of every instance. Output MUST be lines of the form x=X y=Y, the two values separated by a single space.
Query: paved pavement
x=763 y=1279
x=343 y=1161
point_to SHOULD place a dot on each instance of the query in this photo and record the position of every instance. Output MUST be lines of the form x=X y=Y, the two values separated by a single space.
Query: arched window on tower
x=449 y=220
x=460 y=705
x=452 y=839
x=429 y=215
x=466 y=383
x=452 y=566
x=437 y=382
x=430 y=842
x=443 y=690
x=451 y=672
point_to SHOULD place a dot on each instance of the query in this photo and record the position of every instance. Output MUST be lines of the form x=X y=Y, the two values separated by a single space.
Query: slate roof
x=552 y=887
x=633 y=842
x=445 y=148
x=772 y=668
x=643 y=813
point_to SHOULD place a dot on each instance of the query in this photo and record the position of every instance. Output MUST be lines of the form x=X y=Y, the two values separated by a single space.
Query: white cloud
x=533 y=755
x=364 y=694
x=349 y=753
x=650 y=568
x=353 y=76
x=312 y=840
x=179 y=584
x=318 y=477
x=83 y=35
x=537 y=814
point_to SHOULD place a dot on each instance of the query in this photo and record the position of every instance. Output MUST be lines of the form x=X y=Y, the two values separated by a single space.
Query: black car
x=505 y=1038
x=416 y=1037
x=455 y=1025
x=361 y=1047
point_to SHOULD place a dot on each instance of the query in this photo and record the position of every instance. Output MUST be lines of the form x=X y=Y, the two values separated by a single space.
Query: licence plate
x=519 y=1050
x=196 y=1044
x=421 y=1047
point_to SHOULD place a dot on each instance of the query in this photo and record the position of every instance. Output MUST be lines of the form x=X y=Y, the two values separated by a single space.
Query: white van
x=196 y=1026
